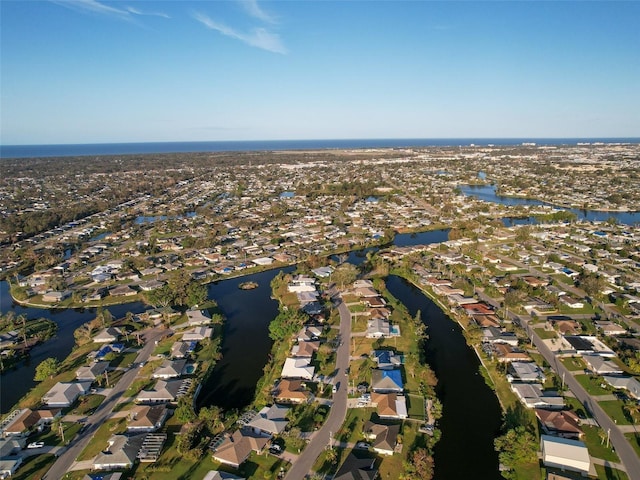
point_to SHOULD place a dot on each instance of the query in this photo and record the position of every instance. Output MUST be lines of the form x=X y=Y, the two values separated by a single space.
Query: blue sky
x=89 y=71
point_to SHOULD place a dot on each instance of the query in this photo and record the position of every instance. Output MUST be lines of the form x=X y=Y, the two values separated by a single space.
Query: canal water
x=17 y=382
x=245 y=342
x=488 y=194
x=471 y=414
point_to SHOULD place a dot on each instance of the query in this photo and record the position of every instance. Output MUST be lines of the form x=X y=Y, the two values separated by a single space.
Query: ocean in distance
x=73 y=150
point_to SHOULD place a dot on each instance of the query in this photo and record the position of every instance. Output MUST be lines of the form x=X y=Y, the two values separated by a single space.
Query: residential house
x=302 y=283
x=91 y=372
x=107 y=335
x=182 y=349
x=630 y=384
x=533 y=396
x=389 y=405
x=63 y=394
x=611 y=328
x=563 y=423
x=170 y=369
x=237 y=447
x=565 y=454
x=586 y=344
x=525 y=372
x=218 y=475
x=120 y=453
x=386 y=359
x=27 y=420
x=355 y=468
x=386 y=381
x=291 y=391
x=571 y=302
x=378 y=328
x=497 y=335
x=270 y=420
x=297 y=368
x=146 y=418
x=197 y=333
x=197 y=317
x=164 y=391
x=122 y=291
x=601 y=365
x=507 y=353
x=305 y=349
x=384 y=437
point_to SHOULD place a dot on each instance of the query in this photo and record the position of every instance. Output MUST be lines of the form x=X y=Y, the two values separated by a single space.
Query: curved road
x=338 y=412
x=103 y=412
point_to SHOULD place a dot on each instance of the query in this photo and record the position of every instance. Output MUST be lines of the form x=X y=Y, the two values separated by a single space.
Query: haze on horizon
x=90 y=71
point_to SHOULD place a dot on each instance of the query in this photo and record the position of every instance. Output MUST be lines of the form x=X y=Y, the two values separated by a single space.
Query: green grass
x=592 y=385
x=594 y=443
x=606 y=473
x=528 y=471
x=573 y=364
x=634 y=440
x=351 y=430
x=545 y=334
x=614 y=408
x=577 y=407
x=124 y=360
x=33 y=468
x=87 y=404
x=416 y=407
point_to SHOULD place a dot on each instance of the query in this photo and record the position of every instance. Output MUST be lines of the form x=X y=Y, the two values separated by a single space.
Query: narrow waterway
x=488 y=194
x=471 y=415
x=245 y=341
x=18 y=381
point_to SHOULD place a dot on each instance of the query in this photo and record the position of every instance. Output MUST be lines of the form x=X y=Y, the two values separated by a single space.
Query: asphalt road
x=622 y=446
x=338 y=412
x=102 y=413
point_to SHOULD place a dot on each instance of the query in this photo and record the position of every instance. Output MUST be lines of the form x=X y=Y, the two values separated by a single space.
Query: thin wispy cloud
x=258 y=37
x=253 y=9
x=98 y=8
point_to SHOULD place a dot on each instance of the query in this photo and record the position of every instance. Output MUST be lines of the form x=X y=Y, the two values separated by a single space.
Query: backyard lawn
x=574 y=364
x=33 y=468
x=596 y=447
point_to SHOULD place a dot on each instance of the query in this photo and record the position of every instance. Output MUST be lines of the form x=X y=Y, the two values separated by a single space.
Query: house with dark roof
x=386 y=359
x=356 y=468
x=384 y=437
x=563 y=423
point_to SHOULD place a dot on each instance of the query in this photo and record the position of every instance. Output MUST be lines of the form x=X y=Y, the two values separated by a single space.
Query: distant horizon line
x=341 y=139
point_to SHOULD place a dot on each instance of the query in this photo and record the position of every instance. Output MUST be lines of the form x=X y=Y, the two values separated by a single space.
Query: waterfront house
x=164 y=391
x=56 y=296
x=196 y=317
x=386 y=381
x=107 y=335
x=565 y=454
x=121 y=453
x=91 y=372
x=147 y=418
x=170 y=369
x=197 y=334
x=63 y=394
x=299 y=368
x=305 y=349
x=386 y=359
x=378 y=328
x=533 y=396
x=270 y=420
x=563 y=423
x=525 y=372
x=389 y=405
x=384 y=437
x=237 y=447
x=291 y=391
x=355 y=468
x=507 y=353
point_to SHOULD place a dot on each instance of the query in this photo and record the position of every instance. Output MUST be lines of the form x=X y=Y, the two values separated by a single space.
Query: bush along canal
x=471 y=414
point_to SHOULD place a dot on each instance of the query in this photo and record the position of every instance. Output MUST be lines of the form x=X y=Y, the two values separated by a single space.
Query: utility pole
x=608 y=436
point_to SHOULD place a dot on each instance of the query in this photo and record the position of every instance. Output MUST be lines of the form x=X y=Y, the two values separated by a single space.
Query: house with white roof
x=270 y=420
x=565 y=454
x=63 y=394
x=297 y=368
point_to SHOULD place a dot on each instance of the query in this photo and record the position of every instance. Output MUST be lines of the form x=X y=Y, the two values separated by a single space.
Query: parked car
x=363 y=445
x=36 y=445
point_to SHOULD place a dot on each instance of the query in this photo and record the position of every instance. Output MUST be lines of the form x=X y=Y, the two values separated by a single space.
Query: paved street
x=338 y=412
x=624 y=450
x=103 y=412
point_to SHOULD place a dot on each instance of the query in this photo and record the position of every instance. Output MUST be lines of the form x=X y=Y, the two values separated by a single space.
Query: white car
x=36 y=445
